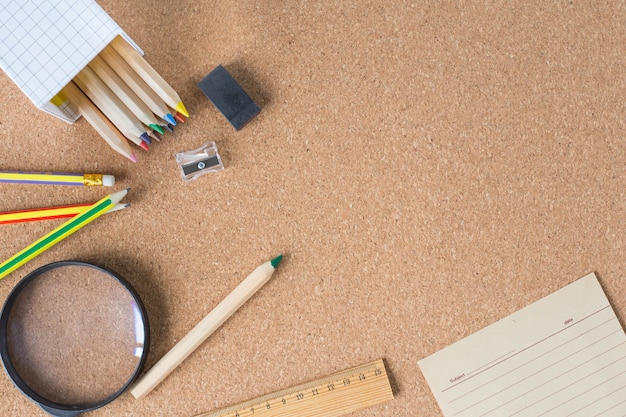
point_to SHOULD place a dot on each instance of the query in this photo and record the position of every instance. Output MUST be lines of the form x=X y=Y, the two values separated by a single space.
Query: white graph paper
x=45 y=43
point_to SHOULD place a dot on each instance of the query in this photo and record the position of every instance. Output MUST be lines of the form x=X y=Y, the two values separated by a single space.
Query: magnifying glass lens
x=75 y=335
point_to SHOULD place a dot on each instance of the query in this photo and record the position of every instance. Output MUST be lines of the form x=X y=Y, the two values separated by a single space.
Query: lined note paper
x=564 y=355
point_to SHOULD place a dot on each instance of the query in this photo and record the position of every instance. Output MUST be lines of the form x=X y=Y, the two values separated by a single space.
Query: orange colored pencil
x=48 y=213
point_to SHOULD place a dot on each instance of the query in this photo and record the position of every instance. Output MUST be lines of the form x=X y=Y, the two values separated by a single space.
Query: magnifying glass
x=73 y=337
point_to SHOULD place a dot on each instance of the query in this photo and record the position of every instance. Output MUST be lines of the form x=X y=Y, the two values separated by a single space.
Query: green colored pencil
x=87 y=216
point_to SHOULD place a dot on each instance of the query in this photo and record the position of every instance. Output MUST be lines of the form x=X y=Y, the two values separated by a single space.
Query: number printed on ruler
x=331 y=396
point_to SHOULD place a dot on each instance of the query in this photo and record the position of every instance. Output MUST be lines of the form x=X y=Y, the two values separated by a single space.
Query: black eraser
x=229 y=98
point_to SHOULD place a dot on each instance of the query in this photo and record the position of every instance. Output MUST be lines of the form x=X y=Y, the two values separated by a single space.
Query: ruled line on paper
x=514 y=383
x=482 y=368
x=587 y=405
x=513 y=353
x=623 y=403
x=520 y=352
x=575 y=365
x=559 y=390
x=569 y=359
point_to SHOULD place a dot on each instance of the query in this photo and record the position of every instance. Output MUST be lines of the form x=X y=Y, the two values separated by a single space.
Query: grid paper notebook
x=45 y=43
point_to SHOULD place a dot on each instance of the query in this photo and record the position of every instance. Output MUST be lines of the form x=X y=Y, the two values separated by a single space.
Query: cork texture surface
x=426 y=169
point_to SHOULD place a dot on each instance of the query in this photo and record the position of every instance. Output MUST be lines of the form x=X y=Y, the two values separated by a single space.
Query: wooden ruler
x=331 y=396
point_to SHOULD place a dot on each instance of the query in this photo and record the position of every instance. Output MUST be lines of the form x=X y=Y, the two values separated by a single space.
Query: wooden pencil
x=124 y=93
x=211 y=322
x=111 y=106
x=149 y=74
x=137 y=84
x=98 y=121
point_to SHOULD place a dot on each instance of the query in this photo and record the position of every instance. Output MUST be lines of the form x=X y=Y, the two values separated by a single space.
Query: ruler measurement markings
x=336 y=394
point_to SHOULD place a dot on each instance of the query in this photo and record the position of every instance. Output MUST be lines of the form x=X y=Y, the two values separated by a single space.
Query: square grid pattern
x=44 y=43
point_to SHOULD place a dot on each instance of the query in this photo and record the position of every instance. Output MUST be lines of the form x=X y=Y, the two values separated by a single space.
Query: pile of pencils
x=124 y=98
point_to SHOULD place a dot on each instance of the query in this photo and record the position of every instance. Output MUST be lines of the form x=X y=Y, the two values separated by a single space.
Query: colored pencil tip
x=181 y=108
x=171 y=127
x=157 y=128
x=179 y=118
x=170 y=119
x=276 y=261
x=144 y=146
x=132 y=157
x=154 y=136
x=168 y=127
x=146 y=138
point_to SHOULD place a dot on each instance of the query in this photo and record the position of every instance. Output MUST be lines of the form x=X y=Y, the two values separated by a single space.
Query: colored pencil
x=153 y=135
x=56 y=178
x=137 y=84
x=49 y=213
x=179 y=118
x=97 y=120
x=149 y=74
x=110 y=105
x=85 y=217
x=205 y=328
x=124 y=93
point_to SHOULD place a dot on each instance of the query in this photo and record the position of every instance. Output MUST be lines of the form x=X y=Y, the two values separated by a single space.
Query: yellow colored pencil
x=85 y=217
x=149 y=74
x=56 y=178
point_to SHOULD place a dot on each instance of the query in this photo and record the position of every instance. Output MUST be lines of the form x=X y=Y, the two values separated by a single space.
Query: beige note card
x=564 y=355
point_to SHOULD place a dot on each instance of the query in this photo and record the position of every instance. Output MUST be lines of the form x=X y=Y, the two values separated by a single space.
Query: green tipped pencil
x=205 y=328
x=83 y=218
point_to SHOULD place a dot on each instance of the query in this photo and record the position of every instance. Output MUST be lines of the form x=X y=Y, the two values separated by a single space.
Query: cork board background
x=426 y=169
